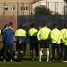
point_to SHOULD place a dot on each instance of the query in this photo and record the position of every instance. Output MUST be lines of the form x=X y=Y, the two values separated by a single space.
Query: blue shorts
x=44 y=44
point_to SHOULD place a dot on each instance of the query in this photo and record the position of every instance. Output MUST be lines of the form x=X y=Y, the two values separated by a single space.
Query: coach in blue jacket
x=8 y=41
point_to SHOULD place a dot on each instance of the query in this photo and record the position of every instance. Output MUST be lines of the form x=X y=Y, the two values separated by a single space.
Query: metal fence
x=39 y=19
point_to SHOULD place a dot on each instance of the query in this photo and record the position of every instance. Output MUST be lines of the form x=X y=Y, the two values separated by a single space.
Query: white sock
x=40 y=54
x=47 y=56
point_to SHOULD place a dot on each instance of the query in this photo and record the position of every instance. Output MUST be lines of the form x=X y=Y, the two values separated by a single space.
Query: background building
x=16 y=7
x=53 y=5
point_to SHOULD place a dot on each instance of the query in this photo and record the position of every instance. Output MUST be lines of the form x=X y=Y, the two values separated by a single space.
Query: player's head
x=10 y=24
x=24 y=27
x=55 y=25
x=44 y=23
x=21 y=26
x=5 y=26
x=32 y=24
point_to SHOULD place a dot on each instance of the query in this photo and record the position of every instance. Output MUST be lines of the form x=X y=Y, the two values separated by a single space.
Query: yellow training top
x=32 y=32
x=43 y=33
x=65 y=38
x=20 y=32
x=63 y=34
x=56 y=36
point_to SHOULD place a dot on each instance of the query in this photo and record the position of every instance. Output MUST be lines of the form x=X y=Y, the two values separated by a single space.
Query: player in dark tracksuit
x=62 y=41
x=8 y=41
x=32 y=32
x=56 y=40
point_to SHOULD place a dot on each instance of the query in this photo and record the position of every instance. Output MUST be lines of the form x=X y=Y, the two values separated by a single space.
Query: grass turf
x=26 y=62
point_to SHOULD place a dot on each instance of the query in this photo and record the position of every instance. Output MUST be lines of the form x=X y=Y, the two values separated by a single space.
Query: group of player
x=38 y=40
x=57 y=38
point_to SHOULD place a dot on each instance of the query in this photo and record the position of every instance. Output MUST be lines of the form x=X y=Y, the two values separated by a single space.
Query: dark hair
x=24 y=27
x=55 y=25
x=65 y=25
x=6 y=25
x=10 y=23
x=21 y=26
x=32 y=24
x=44 y=24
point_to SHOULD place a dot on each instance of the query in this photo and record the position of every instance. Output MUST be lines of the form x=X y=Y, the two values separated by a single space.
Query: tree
x=65 y=1
x=42 y=10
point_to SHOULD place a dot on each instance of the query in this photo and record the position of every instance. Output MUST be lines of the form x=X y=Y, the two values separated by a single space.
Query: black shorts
x=34 y=45
x=20 y=46
x=44 y=44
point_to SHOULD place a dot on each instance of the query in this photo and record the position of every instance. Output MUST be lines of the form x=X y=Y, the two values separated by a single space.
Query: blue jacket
x=8 y=36
x=20 y=38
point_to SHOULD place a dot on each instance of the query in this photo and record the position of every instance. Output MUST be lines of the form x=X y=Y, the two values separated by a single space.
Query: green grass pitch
x=26 y=62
